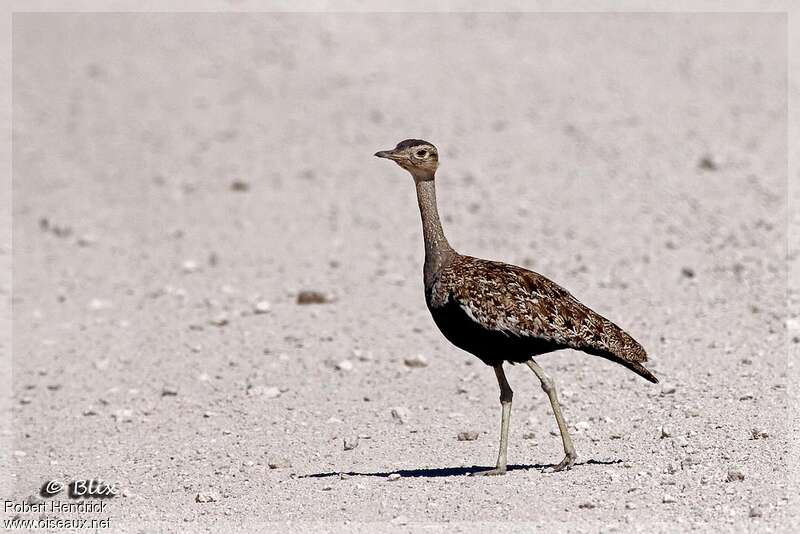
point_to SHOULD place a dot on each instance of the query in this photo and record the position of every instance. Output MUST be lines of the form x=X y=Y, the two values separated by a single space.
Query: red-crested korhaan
x=504 y=313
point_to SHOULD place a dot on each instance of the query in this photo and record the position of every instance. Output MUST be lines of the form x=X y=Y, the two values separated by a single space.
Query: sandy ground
x=179 y=179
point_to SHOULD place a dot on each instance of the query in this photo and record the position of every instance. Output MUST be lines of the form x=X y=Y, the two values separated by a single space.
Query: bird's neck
x=437 y=250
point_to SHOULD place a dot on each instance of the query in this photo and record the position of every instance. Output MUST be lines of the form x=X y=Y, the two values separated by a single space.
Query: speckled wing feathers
x=524 y=304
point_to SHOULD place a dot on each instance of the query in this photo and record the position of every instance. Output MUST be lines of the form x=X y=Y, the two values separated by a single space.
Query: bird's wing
x=525 y=304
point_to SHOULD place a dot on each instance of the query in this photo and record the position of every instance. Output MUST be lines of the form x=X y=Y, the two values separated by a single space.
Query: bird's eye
x=421 y=153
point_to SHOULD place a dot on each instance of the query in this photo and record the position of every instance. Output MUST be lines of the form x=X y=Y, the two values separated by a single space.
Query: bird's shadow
x=449 y=471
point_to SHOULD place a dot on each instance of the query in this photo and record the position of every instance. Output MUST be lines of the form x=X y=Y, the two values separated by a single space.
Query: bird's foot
x=491 y=472
x=566 y=463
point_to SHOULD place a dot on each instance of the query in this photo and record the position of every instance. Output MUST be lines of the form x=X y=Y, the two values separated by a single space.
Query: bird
x=504 y=313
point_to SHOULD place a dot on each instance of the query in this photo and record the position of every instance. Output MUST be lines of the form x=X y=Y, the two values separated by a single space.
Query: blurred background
x=184 y=182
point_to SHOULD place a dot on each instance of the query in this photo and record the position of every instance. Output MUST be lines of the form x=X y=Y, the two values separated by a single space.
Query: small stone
x=665 y=432
x=467 y=436
x=206 y=497
x=746 y=397
x=309 y=296
x=279 y=463
x=362 y=355
x=240 y=185
x=393 y=477
x=350 y=443
x=219 y=320
x=270 y=392
x=344 y=365
x=86 y=240
x=758 y=434
x=667 y=499
x=169 y=391
x=260 y=307
x=529 y=435
x=755 y=511
x=588 y=505
x=33 y=500
x=25 y=400
x=88 y=412
x=687 y=272
x=668 y=388
x=400 y=414
x=630 y=506
x=707 y=163
x=416 y=361
x=400 y=520
x=123 y=415
x=734 y=475
x=189 y=266
x=99 y=304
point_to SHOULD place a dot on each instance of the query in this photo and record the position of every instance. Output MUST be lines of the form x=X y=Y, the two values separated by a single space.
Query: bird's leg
x=505 y=401
x=549 y=387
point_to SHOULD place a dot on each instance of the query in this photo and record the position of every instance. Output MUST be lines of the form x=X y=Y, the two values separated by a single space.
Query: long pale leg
x=549 y=387
x=505 y=401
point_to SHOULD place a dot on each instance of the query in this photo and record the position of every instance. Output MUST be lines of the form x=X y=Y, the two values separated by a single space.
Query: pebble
x=746 y=396
x=99 y=304
x=206 y=497
x=665 y=432
x=393 y=477
x=734 y=475
x=350 y=443
x=34 y=499
x=344 y=365
x=529 y=435
x=687 y=272
x=707 y=163
x=758 y=434
x=667 y=499
x=169 y=391
x=362 y=356
x=668 y=389
x=189 y=266
x=755 y=511
x=279 y=463
x=400 y=414
x=264 y=391
x=467 y=436
x=581 y=426
x=262 y=306
x=400 y=520
x=309 y=296
x=587 y=505
x=240 y=185
x=416 y=361
x=123 y=415
x=219 y=320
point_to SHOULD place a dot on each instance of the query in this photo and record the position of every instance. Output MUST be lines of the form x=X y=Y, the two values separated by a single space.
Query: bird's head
x=418 y=157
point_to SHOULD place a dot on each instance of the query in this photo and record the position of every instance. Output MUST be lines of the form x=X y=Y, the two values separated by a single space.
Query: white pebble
x=262 y=306
x=344 y=365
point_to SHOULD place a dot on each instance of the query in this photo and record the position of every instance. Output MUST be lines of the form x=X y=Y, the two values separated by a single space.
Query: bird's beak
x=388 y=154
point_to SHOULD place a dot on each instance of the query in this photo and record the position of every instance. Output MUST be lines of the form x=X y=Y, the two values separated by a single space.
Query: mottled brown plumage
x=522 y=312
x=501 y=312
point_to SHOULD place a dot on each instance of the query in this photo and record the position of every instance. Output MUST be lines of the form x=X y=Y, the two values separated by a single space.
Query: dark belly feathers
x=501 y=312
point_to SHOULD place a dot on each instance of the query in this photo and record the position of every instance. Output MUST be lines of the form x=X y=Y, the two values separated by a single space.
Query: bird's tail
x=626 y=351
